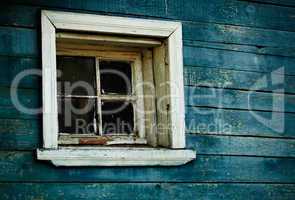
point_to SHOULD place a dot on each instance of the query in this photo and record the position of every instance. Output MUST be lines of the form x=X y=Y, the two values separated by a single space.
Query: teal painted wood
x=221 y=33
x=23 y=16
x=18 y=41
x=224 y=78
x=23 y=166
x=241 y=146
x=194 y=96
x=238 y=122
x=25 y=134
x=233 y=12
x=21 y=41
x=271 y=42
x=20 y=134
x=27 y=100
x=231 y=42
x=215 y=77
x=193 y=76
x=28 y=137
x=275 y=51
x=13 y=66
x=218 y=11
x=145 y=191
x=27 y=16
x=239 y=99
x=218 y=58
x=275 y=2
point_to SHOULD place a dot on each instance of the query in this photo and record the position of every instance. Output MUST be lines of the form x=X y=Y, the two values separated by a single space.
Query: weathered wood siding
x=228 y=45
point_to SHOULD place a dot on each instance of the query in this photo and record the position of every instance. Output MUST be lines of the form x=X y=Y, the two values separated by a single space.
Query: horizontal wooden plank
x=233 y=12
x=224 y=78
x=17 y=15
x=18 y=42
x=262 y=41
x=218 y=11
x=260 y=50
x=218 y=58
x=144 y=191
x=20 y=134
x=193 y=76
x=238 y=99
x=231 y=34
x=238 y=122
x=194 y=96
x=26 y=135
x=245 y=146
x=23 y=166
x=23 y=106
x=13 y=66
x=275 y=2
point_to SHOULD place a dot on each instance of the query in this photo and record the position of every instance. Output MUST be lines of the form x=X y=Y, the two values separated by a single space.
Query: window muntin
x=113 y=109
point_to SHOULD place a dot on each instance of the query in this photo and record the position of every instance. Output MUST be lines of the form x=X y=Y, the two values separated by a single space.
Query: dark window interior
x=81 y=122
x=117 y=117
x=115 y=78
x=74 y=69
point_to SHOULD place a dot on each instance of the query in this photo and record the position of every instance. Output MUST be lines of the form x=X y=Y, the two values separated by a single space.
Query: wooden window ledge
x=103 y=156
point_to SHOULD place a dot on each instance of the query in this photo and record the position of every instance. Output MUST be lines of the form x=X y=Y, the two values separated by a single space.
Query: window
x=100 y=93
x=112 y=91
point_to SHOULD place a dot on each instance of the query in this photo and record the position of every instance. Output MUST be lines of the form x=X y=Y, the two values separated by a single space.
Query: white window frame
x=173 y=152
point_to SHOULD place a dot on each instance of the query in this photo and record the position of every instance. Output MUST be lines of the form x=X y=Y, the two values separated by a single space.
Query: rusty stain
x=99 y=141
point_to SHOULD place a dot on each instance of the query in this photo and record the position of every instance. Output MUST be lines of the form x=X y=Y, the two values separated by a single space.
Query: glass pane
x=115 y=77
x=117 y=117
x=76 y=75
x=77 y=115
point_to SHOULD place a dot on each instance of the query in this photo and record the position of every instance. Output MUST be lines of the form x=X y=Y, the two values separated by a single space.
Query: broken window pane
x=115 y=77
x=117 y=117
x=79 y=71
x=77 y=115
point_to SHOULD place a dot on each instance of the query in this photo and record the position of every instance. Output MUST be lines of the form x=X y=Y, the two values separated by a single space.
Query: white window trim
x=172 y=32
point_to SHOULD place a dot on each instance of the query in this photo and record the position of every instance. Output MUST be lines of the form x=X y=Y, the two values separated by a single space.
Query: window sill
x=103 y=156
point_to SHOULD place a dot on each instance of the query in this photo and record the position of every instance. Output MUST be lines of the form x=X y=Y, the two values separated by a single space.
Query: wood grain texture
x=233 y=34
x=21 y=41
x=259 y=50
x=12 y=66
x=219 y=58
x=20 y=134
x=17 y=15
x=218 y=11
x=30 y=99
x=118 y=157
x=238 y=122
x=239 y=99
x=145 y=191
x=286 y=3
x=23 y=166
x=241 y=146
x=18 y=41
x=29 y=138
x=195 y=97
x=235 y=43
x=49 y=84
x=273 y=42
x=234 y=79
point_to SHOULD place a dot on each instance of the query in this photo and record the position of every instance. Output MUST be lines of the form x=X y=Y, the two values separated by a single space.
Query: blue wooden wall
x=228 y=45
